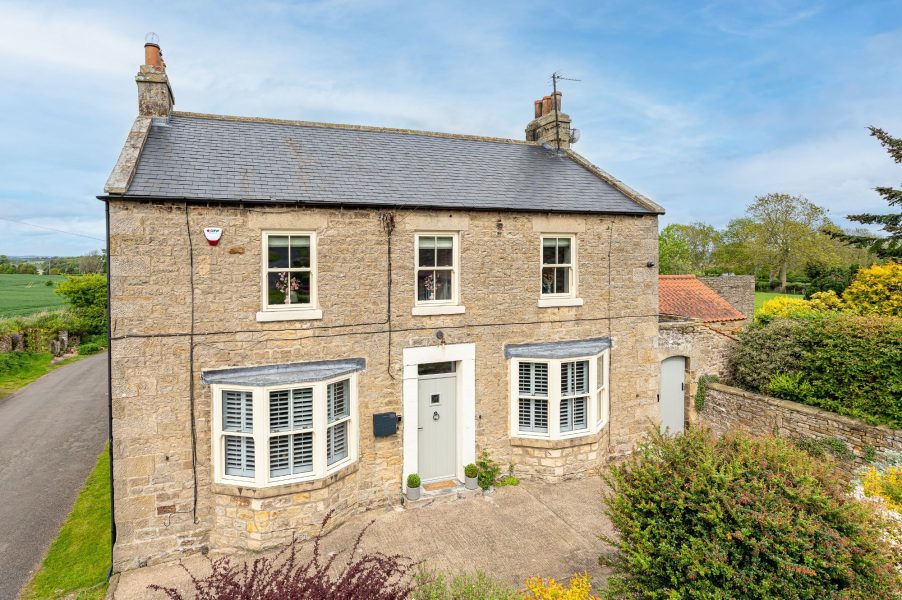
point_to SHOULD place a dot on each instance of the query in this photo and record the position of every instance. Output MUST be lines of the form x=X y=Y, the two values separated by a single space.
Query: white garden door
x=437 y=423
x=672 y=395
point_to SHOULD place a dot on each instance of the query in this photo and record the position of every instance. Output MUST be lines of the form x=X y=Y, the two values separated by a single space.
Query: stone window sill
x=230 y=489
x=301 y=314
x=556 y=444
x=556 y=302
x=442 y=309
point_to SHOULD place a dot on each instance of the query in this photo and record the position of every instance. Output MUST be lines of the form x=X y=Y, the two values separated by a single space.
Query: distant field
x=762 y=297
x=22 y=295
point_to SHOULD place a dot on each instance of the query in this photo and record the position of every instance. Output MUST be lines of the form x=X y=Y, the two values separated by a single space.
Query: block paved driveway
x=518 y=532
x=51 y=433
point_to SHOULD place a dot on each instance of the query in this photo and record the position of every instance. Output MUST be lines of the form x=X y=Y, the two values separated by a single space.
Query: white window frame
x=438 y=307
x=597 y=404
x=262 y=434
x=288 y=312
x=571 y=298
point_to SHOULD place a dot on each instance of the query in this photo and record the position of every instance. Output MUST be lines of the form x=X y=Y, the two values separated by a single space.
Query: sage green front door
x=437 y=425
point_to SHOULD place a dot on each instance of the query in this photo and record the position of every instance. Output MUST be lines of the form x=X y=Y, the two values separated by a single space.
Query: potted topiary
x=413 y=487
x=470 y=475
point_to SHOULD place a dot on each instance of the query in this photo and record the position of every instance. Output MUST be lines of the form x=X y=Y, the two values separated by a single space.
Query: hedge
x=845 y=363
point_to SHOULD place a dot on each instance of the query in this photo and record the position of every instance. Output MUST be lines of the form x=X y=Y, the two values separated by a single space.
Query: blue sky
x=699 y=105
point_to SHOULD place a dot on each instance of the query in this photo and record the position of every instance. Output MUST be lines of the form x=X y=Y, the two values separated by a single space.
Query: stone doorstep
x=439 y=496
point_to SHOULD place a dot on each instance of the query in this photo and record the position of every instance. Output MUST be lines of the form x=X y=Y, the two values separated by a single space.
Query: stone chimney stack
x=550 y=126
x=155 y=97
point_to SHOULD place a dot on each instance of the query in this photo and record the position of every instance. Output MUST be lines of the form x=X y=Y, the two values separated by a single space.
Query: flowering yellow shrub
x=886 y=484
x=826 y=302
x=876 y=290
x=783 y=306
x=580 y=588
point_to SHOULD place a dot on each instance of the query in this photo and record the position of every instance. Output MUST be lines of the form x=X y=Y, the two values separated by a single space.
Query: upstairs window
x=558 y=266
x=289 y=276
x=436 y=269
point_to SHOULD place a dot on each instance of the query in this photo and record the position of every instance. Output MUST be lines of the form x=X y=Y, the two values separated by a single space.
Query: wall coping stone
x=797 y=407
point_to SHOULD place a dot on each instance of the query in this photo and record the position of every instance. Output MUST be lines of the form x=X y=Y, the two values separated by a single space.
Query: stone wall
x=738 y=290
x=559 y=460
x=150 y=258
x=728 y=408
x=706 y=346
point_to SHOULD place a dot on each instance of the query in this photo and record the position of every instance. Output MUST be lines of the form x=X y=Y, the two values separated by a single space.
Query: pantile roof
x=231 y=159
x=687 y=296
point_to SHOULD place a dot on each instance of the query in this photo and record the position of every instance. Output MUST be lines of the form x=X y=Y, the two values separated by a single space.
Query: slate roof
x=687 y=296
x=227 y=159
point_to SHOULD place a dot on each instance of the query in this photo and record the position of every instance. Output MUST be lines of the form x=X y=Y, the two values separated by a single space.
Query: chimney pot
x=546 y=105
x=557 y=101
x=538 y=104
x=153 y=57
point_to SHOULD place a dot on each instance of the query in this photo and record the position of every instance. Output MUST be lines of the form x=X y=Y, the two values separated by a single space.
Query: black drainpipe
x=109 y=387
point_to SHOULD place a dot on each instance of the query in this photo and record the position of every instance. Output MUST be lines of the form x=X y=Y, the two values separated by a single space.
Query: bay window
x=555 y=398
x=275 y=434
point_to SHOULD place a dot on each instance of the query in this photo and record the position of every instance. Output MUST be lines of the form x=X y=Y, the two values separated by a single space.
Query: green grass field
x=22 y=295
x=78 y=559
x=18 y=369
x=762 y=297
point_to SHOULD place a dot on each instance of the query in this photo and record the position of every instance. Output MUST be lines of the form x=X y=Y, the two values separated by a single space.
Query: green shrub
x=701 y=391
x=476 y=586
x=842 y=362
x=471 y=471
x=86 y=295
x=89 y=348
x=488 y=470
x=735 y=517
x=790 y=386
x=413 y=480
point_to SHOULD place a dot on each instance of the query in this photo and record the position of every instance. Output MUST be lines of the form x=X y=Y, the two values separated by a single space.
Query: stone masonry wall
x=151 y=275
x=707 y=347
x=728 y=408
x=738 y=290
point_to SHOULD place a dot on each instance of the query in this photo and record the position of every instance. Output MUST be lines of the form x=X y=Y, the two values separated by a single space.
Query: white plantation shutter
x=237 y=411
x=302 y=405
x=290 y=410
x=533 y=403
x=338 y=409
x=239 y=450
x=337 y=400
x=575 y=384
x=336 y=443
x=237 y=417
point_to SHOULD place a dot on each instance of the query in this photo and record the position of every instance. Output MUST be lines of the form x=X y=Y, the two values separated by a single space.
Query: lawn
x=22 y=295
x=18 y=369
x=762 y=297
x=79 y=558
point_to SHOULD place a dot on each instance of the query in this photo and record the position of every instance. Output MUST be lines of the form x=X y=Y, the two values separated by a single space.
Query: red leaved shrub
x=284 y=577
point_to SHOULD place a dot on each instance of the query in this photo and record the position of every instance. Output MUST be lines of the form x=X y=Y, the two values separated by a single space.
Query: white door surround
x=465 y=357
x=672 y=396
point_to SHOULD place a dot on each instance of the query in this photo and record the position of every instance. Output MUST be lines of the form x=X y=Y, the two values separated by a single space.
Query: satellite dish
x=574 y=136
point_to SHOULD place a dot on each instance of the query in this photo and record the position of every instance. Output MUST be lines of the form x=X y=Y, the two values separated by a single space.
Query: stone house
x=302 y=314
x=698 y=328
